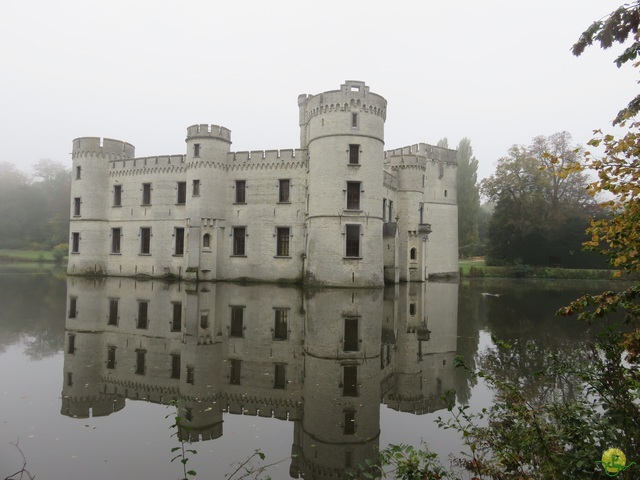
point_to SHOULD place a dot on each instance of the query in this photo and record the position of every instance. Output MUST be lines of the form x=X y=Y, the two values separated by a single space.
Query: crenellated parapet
x=108 y=148
x=148 y=165
x=208 y=131
x=268 y=159
x=430 y=152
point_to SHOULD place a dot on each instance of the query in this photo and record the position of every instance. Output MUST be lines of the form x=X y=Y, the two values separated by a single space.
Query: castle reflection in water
x=323 y=359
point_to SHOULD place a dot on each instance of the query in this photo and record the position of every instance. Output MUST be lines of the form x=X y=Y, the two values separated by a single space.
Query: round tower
x=343 y=132
x=90 y=202
x=207 y=150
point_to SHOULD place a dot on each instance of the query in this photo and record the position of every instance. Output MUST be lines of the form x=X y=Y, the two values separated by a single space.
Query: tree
x=468 y=199
x=616 y=28
x=541 y=204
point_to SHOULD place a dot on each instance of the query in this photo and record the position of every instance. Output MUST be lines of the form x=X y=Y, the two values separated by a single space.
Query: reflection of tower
x=340 y=426
x=82 y=393
x=343 y=131
x=425 y=347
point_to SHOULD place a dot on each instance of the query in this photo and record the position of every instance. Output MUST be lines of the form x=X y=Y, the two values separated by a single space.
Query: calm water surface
x=317 y=378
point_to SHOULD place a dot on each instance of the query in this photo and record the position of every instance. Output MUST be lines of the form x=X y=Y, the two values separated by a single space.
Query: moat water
x=316 y=379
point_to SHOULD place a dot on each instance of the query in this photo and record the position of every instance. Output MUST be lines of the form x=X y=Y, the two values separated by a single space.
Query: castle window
x=413 y=253
x=145 y=240
x=113 y=312
x=78 y=173
x=351 y=342
x=237 y=322
x=73 y=307
x=445 y=193
x=179 y=246
x=206 y=241
x=76 y=207
x=175 y=365
x=191 y=374
x=75 y=242
x=412 y=309
x=279 y=375
x=353 y=195
x=350 y=381
x=354 y=120
x=116 y=234
x=204 y=320
x=69 y=379
x=72 y=343
x=241 y=187
x=391 y=210
x=143 y=315
x=140 y=361
x=196 y=188
x=234 y=373
x=349 y=425
x=283 y=191
x=354 y=154
x=146 y=194
x=117 y=195
x=282 y=238
x=384 y=210
x=281 y=327
x=196 y=149
x=182 y=193
x=176 y=321
x=239 y=234
x=111 y=357
x=352 y=241
x=421 y=211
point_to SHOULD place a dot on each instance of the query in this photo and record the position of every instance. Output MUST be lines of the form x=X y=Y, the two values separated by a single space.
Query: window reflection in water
x=321 y=359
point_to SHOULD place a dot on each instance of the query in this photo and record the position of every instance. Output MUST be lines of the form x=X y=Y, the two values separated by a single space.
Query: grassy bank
x=476 y=268
x=28 y=256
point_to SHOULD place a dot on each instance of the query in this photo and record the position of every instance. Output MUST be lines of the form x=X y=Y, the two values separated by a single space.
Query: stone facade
x=338 y=211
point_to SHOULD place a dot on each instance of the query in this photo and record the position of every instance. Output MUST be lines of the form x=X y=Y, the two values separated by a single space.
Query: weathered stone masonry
x=340 y=210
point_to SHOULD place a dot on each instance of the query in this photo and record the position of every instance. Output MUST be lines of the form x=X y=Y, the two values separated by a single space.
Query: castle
x=338 y=211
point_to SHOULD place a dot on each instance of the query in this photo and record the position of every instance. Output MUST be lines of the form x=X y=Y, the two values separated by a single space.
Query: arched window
x=206 y=241
x=413 y=253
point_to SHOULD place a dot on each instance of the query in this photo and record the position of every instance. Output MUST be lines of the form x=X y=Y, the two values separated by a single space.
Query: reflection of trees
x=33 y=309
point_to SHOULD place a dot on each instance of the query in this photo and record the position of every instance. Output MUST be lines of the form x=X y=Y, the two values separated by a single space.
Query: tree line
x=34 y=208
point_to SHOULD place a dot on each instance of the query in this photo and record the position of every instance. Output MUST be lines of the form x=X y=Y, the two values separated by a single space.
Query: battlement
x=147 y=162
x=353 y=95
x=268 y=156
x=209 y=131
x=102 y=147
x=430 y=152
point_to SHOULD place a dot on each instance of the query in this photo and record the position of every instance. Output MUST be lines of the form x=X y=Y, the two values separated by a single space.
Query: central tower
x=343 y=132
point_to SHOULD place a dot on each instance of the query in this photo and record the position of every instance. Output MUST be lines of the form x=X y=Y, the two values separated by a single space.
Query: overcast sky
x=496 y=71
